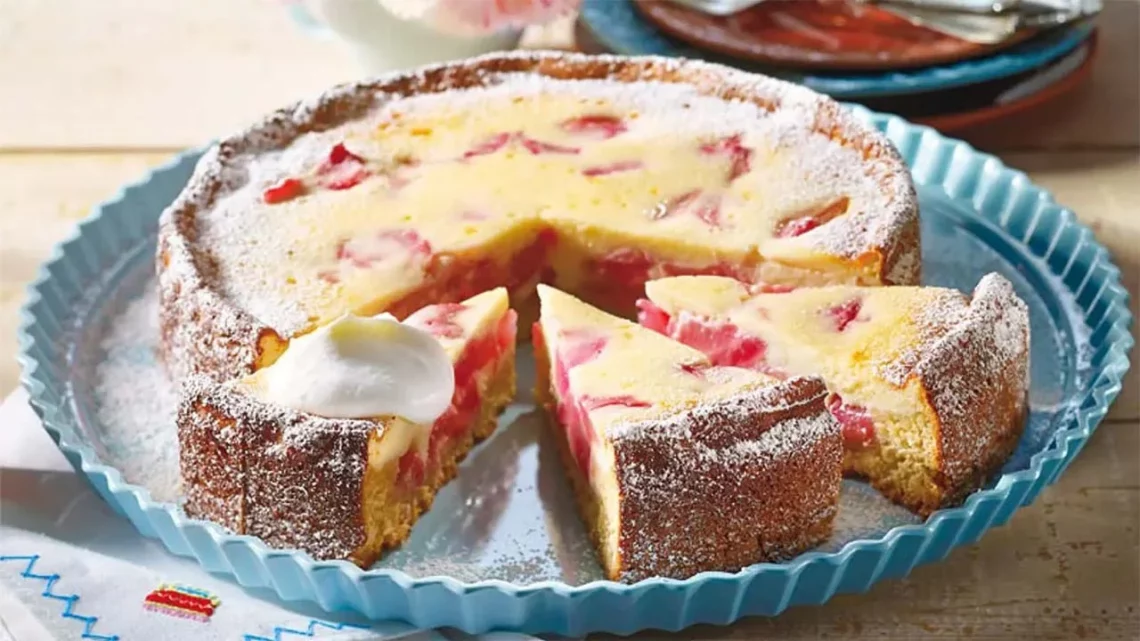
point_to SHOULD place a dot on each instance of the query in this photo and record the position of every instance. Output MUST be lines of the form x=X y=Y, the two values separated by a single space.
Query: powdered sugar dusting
x=135 y=403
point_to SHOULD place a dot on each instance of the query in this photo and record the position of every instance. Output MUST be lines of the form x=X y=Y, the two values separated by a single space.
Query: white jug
x=383 y=42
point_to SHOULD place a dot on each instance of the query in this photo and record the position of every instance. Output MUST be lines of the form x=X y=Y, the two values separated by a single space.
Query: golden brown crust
x=204 y=333
x=701 y=504
x=975 y=380
x=708 y=490
x=292 y=479
x=299 y=481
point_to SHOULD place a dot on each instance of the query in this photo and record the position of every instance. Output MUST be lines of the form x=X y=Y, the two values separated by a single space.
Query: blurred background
x=95 y=93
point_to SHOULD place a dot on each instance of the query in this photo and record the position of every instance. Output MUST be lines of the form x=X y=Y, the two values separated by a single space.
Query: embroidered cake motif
x=182 y=601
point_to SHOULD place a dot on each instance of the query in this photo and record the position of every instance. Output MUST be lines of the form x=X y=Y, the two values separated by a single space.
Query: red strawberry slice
x=732 y=147
x=857 y=425
x=590 y=403
x=800 y=223
x=342 y=169
x=845 y=313
x=650 y=316
x=770 y=288
x=723 y=343
x=474 y=215
x=538 y=147
x=439 y=320
x=287 y=189
x=600 y=126
x=612 y=168
x=706 y=207
x=579 y=347
x=382 y=246
x=410 y=469
x=624 y=267
x=490 y=145
x=339 y=154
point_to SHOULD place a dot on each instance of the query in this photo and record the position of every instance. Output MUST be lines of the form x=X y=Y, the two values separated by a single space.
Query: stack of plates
x=855 y=52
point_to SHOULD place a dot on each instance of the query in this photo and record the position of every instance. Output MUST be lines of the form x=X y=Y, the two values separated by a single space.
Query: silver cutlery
x=985 y=22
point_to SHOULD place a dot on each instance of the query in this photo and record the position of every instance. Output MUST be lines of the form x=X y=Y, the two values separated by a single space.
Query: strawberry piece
x=624 y=267
x=857 y=425
x=612 y=168
x=800 y=223
x=600 y=126
x=383 y=246
x=770 y=288
x=339 y=154
x=439 y=320
x=797 y=227
x=706 y=207
x=287 y=189
x=694 y=369
x=474 y=215
x=490 y=145
x=329 y=276
x=845 y=313
x=410 y=468
x=342 y=169
x=579 y=430
x=538 y=147
x=650 y=316
x=580 y=347
x=732 y=147
x=590 y=403
x=722 y=343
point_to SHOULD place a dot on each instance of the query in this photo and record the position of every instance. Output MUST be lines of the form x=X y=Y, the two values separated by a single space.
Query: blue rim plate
x=618 y=27
x=1054 y=259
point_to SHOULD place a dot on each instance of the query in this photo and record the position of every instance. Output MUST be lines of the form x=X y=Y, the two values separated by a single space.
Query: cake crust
x=717 y=487
x=299 y=481
x=975 y=380
x=203 y=332
x=723 y=486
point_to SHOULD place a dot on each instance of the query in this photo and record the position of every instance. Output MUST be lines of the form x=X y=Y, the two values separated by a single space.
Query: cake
x=592 y=174
x=343 y=488
x=413 y=218
x=929 y=384
x=681 y=465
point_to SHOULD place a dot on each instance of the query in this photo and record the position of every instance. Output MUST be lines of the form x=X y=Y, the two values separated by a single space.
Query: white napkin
x=75 y=593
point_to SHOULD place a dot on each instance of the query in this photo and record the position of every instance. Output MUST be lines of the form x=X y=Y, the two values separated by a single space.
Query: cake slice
x=343 y=488
x=681 y=465
x=929 y=384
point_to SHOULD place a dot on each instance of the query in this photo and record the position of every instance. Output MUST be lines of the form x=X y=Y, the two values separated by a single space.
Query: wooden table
x=95 y=93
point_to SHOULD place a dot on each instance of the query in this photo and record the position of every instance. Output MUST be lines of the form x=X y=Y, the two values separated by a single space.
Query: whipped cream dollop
x=360 y=367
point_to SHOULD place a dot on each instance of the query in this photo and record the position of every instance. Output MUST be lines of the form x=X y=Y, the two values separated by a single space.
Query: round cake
x=333 y=275
x=593 y=174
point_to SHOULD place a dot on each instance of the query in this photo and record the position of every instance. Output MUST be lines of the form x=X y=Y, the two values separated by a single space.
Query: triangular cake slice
x=929 y=384
x=681 y=466
x=343 y=488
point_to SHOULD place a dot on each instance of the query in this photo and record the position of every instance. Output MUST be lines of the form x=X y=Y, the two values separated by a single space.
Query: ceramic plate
x=617 y=26
x=503 y=548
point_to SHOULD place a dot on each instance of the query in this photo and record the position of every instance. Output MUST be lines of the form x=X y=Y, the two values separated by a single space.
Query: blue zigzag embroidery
x=281 y=633
x=49 y=581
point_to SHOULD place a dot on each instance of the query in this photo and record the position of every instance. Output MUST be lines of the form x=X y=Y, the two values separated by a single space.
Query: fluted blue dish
x=978 y=216
x=618 y=27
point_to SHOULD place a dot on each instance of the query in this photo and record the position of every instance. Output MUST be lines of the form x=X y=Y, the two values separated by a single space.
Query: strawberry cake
x=929 y=384
x=339 y=288
x=593 y=174
x=680 y=464
x=291 y=455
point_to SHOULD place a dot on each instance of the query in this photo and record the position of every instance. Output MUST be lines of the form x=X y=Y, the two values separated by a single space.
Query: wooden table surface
x=95 y=93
